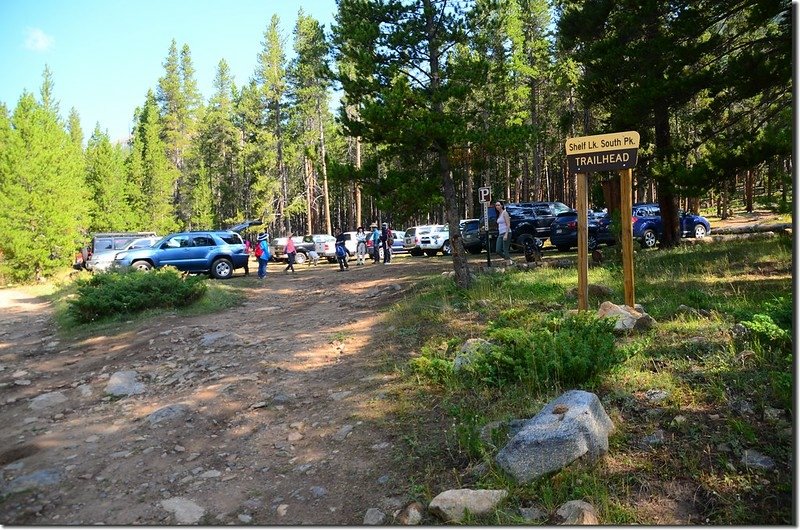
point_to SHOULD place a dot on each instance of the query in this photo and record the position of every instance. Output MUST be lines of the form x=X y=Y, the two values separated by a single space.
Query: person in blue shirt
x=376 y=243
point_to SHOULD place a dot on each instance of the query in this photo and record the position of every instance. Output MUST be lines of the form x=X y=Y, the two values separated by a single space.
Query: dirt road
x=273 y=409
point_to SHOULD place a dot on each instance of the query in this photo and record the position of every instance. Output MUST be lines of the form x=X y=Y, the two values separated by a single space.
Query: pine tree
x=42 y=193
x=409 y=93
x=74 y=127
x=110 y=205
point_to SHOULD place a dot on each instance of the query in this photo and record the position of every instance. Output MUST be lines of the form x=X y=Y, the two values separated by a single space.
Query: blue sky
x=105 y=54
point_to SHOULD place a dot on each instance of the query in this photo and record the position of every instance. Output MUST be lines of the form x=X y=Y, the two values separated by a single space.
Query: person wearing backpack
x=375 y=237
x=262 y=254
x=341 y=251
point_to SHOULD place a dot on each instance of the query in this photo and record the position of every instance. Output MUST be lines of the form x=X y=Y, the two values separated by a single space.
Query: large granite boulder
x=569 y=427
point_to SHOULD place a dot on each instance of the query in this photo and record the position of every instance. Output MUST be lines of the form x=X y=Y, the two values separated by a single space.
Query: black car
x=530 y=222
x=471 y=236
x=564 y=230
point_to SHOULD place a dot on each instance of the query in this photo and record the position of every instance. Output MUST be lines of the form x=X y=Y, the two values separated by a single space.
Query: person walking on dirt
x=386 y=243
x=361 y=245
x=504 y=232
x=291 y=252
x=264 y=256
x=376 y=243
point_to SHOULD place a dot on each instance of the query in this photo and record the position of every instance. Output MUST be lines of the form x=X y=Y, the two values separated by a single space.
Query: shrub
x=121 y=293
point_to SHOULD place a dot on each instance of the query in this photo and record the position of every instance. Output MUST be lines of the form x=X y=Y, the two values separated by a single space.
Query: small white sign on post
x=484 y=194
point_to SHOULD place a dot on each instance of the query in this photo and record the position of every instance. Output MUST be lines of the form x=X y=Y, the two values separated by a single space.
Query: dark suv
x=530 y=221
x=219 y=252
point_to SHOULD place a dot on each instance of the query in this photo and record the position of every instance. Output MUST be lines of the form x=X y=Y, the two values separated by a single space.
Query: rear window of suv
x=231 y=239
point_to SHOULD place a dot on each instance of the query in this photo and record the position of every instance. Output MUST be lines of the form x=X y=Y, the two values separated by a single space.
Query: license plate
x=558 y=231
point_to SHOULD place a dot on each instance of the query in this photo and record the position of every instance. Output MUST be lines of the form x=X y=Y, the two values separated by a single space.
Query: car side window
x=541 y=211
x=176 y=242
x=560 y=207
x=202 y=241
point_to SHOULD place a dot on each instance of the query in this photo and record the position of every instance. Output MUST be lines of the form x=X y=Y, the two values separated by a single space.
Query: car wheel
x=592 y=242
x=222 y=269
x=649 y=239
x=300 y=258
x=474 y=250
x=524 y=239
x=430 y=253
x=415 y=252
x=141 y=265
x=331 y=260
x=446 y=248
x=563 y=248
x=700 y=231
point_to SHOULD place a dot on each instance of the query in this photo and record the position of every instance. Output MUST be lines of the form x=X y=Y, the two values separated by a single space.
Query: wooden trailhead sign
x=602 y=152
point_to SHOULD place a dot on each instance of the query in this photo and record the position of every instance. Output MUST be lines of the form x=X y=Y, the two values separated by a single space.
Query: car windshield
x=411 y=231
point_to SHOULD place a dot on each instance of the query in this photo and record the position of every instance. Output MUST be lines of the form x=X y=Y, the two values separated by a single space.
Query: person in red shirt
x=291 y=252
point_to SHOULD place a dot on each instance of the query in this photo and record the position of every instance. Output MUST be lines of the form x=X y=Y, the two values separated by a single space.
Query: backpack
x=340 y=251
x=389 y=238
x=259 y=251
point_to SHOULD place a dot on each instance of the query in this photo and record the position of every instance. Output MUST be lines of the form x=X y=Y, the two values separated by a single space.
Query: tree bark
x=324 y=167
x=441 y=147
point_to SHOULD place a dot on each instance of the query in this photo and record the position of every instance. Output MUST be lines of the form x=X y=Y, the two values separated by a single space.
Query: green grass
x=696 y=358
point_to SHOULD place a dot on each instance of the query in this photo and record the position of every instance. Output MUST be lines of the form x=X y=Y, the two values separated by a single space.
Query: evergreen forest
x=402 y=109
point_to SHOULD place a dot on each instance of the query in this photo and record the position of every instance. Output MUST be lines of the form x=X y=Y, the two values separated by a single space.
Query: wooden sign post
x=604 y=152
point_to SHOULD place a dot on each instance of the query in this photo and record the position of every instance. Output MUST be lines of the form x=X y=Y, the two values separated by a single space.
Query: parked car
x=648 y=228
x=218 y=252
x=103 y=261
x=471 y=235
x=324 y=244
x=564 y=230
x=277 y=248
x=437 y=240
x=398 y=241
x=526 y=225
x=106 y=242
x=413 y=235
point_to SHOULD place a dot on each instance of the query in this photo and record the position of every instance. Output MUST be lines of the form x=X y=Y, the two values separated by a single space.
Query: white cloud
x=37 y=40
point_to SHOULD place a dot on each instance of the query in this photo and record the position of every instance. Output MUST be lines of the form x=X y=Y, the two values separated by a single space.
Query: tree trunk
x=358 y=219
x=309 y=192
x=441 y=146
x=666 y=198
x=324 y=167
x=469 y=190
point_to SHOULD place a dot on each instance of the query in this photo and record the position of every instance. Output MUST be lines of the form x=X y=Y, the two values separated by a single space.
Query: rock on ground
x=577 y=512
x=184 y=510
x=627 y=318
x=374 y=517
x=569 y=427
x=124 y=384
x=451 y=505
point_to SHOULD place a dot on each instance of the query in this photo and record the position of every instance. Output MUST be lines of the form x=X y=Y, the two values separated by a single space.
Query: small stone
x=51 y=399
x=657 y=438
x=22 y=382
x=92 y=439
x=243 y=517
x=212 y=473
x=342 y=433
x=294 y=436
x=282 y=509
x=179 y=449
x=532 y=514
x=411 y=514
x=756 y=460
x=318 y=491
x=374 y=517
x=185 y=511
x=655 y=395
x=259 y=405
x=384 y=479
x=577 y=512
x=678 y=420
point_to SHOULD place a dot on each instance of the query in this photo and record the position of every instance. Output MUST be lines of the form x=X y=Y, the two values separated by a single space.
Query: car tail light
x=634 y=219
x=572 y=225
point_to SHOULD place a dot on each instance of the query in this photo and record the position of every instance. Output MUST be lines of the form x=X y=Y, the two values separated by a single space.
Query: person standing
x=504 y=232
x=341 y=250
x=291 y=252
x=361 y=245
x=386 y=243
x=376 y=243
x=264 y=256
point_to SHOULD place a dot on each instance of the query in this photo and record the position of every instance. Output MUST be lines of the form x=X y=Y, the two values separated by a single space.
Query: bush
x=543 y=352
x=121 y=293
